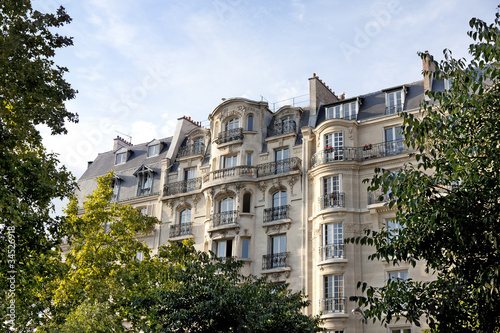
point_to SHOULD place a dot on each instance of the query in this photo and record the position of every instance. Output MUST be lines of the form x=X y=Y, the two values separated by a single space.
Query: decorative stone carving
x=196 y=199
x=350 y=132
x=262 y=186
x=292 y=181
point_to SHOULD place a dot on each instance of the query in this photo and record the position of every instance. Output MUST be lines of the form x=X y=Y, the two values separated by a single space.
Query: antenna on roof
x=127 y=135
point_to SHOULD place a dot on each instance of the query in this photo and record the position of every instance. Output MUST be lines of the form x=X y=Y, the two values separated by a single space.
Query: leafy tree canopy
x=448 y=201
x=32 y=92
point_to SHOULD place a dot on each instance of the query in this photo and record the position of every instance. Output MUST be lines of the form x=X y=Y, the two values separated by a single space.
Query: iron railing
x=359 y=154
x=332 y=305
x=183 y=229
x=224 y=218
x=332 y=200
x=230 y=135
x=275 y=260
x=183 y=186
x=377 y=197
x=332 y=251
x=276 y=213
x=242 y=170
x=393 y=109
x=283 y=128
x=279 y=167
x=192 y=149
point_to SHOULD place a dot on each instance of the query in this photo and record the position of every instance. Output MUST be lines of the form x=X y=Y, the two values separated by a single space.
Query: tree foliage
x=185 y=290
x=448 y=201
x=101 y=261
x=32 y=92
x=178 y=290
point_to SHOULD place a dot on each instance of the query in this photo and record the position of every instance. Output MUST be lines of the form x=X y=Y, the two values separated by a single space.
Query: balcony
x=275 y=260
x=377 y=197
x=190 y=150
x=178 y=230
x=368 y=151
x=283 y=128
x=230 y=135
x=224 y=218
x=332 y=305
x=279 y=167
x=332 y=200
x=183 y=186
x=237 y=171
x=276 y=213
x=331 y=251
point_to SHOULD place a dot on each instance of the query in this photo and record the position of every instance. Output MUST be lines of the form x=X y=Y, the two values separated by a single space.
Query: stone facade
x=277 y=190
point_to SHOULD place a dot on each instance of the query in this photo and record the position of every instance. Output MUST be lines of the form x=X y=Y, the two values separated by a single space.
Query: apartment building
x=279 y=191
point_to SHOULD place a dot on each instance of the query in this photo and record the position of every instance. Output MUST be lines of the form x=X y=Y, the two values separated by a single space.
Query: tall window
x=198 y=145
x=281 y=156
x=249 y=159
x=224 y=248
x=393 y=140
x=245 y=248
x=145 y=181
x=115 y=184
x=393 y=102
x=279 y=208
x=350 y=110
x=247 y=201
x=226 y=211
x=287 y=125
x=250 y=123
x=185 y=216
x=334 y=146
x=278 y=244
x=189 y=178
x=332 y=195
x=333 y=293
x=333 y=241
x=393 y=228
x=232 y=124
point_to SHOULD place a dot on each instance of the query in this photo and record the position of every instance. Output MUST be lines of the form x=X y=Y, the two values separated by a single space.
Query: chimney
x=428 y=69
x=319 y=94
x=119 y=142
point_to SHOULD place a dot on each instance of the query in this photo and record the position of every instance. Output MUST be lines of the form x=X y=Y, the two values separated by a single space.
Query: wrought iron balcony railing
x=230 y=135
x=332 y=251
x=332 y=200
x=393 y=109
x=283 y=128
x=183 y=186
x=368 y=151
x=377 y=197
x=192 y=149
x=275 y=260
x=332 y=305
x=276 y=213
x=279 y=167
x=224 y=218
x=183 y=229
x=242 y=170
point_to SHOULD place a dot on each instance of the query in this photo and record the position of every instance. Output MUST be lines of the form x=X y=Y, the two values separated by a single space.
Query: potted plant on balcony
x=333 y=196
x=367 y=146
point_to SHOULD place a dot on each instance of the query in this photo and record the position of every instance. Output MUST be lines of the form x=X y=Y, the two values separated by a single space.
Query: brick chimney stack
x=428 y=69
x=119 y=142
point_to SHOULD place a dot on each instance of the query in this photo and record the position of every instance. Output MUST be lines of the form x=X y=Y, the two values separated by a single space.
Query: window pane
x=249 y=158
x=250 y=123
x=245 y=248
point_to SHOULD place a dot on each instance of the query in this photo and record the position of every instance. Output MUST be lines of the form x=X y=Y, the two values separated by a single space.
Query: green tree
x=184 y=290
x=32 y=92
x=101 y=264
x=92 y=317
x=448 y=201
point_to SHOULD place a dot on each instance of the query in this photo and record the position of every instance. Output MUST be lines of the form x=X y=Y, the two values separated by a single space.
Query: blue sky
x=140 y=65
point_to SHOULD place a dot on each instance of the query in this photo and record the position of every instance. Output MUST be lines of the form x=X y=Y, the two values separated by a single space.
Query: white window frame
x=327 y=188
x=333 y=287
x=277 y=244
x=399 y=274
x=120 y=158
x=221 y=248
x=154 y=150
x=333 y=240
x=245 y=247
x=393 y=104
x=232 y=124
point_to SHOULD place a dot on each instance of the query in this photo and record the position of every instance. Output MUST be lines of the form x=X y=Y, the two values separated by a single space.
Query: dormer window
x=154 y=148
x=145 y=180
x=121 y=156
x=395 y=100
x=343 y=111
x=115 y=185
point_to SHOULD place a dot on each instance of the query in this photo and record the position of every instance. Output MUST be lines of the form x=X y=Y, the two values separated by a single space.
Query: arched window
x=247 y=199
x=185 y=216
x=226 y=214
x=250 y=123
x=232 y=124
